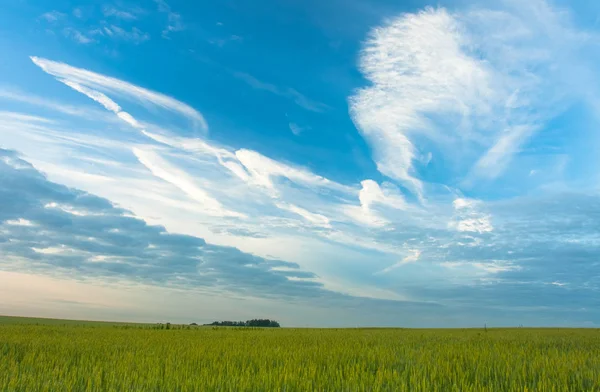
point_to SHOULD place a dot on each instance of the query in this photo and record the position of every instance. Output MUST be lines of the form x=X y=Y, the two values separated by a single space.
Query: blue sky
x=335 y=163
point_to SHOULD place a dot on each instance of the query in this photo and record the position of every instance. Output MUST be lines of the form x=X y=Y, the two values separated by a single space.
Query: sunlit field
x=42 y=355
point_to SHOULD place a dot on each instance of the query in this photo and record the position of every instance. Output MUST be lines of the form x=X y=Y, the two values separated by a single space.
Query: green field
x=55 y=355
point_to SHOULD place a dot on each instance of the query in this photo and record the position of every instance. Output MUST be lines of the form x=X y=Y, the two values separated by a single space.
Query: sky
x=325 y=164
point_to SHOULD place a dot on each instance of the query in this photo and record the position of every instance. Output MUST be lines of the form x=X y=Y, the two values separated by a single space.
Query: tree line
x=265 y=323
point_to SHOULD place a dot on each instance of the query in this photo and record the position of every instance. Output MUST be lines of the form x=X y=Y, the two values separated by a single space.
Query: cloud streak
x=411 y=258
x=160 y=168
x=286 y=92
x=82 y=77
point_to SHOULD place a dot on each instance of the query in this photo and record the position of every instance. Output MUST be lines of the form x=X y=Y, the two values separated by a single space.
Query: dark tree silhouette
x=263 y=323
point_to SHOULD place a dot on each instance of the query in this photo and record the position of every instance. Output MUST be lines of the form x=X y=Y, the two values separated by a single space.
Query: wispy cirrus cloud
x=115 y=24
x=174 y=20
x=78 y=13
x=52 y=16
x=477 y=82
x=78 y=36
x=411 y=258
x=129 y=91
x=286 y=92
x=134 y=35
x=162 y=169
x=112 y=11
x=296 y=129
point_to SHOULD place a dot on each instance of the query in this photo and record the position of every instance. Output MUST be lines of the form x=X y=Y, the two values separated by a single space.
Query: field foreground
x=105 y=357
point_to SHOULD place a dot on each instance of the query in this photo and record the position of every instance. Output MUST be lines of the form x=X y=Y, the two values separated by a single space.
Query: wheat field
x=54 y=356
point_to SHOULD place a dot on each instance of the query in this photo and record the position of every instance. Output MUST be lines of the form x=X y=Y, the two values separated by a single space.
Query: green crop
x=104 y=357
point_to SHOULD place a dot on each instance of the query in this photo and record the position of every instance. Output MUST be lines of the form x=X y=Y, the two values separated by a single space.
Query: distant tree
x=263 y=323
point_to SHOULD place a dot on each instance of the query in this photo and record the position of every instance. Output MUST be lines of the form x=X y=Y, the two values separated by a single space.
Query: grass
x=78 y=356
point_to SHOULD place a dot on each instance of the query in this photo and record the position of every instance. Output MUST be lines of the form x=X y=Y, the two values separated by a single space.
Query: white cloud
x=286 y=92
x=263 y=171
x=496 y=159
x=469 y=218
x=30 y=99
x=297 y=129
x=102 y=99
x=174 y=22
x=316 y=219
x=417 y=66
x=77 y=36
x=109 y=11
x=372 y=196
x=461 y=203
x=19 y=222
x=105 y=101
x=496 y=267
x=64 y=72
x=162 y=169
x=52 y=16
x=135 y=35
x=363 y=216
x=478 y=269
x=249 y=166
x=476 y=83
x=24 y=118
x=371 y=193
x=54 y=250
x=478 y=225
x=413 y=257
x=226 y=158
